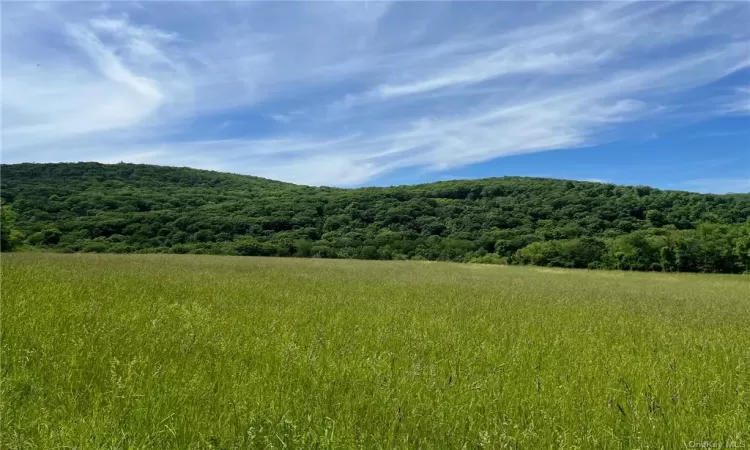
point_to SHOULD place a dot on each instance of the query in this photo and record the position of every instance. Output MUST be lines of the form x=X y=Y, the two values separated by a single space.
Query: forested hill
x=91 y=207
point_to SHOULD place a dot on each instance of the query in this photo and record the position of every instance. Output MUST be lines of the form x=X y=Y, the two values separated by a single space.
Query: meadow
x=184 y=351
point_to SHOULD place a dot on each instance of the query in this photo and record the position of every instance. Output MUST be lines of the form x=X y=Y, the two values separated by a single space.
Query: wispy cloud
x=717 y=185
x=341 y=93
x=740 y=101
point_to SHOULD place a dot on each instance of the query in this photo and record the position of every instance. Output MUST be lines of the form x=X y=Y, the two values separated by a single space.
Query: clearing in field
x=105 y=351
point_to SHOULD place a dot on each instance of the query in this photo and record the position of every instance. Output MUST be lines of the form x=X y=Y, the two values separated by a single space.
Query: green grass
x=167 y=351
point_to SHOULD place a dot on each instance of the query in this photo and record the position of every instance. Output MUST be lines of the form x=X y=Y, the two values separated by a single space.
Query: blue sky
x=378 y=93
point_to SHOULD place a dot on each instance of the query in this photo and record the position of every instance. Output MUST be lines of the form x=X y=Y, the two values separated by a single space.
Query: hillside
x=126 y=208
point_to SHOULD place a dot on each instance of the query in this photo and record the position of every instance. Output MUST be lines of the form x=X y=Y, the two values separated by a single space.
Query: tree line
x=127 y=208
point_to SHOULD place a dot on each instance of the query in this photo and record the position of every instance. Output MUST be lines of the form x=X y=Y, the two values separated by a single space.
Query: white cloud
x=717 y=185
x=596 y=180
x=281 y=118
x=740 y=101
x=340 y=93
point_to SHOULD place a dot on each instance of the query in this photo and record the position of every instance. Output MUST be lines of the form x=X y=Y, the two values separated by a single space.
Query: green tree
x=248 y=246
x=142 y=208
x=742 y=246
x=10 y=237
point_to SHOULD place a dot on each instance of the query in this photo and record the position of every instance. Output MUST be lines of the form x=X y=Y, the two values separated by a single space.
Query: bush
x=248 y=246
x=489 y=258
x=94 y=247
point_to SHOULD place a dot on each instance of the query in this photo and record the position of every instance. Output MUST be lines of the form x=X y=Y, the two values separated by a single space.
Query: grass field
x=168 y=351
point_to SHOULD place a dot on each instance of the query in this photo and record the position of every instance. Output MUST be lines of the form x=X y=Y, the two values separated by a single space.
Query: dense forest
x=127 y=208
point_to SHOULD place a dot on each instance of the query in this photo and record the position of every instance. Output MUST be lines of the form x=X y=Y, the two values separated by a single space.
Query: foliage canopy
x=127 y=208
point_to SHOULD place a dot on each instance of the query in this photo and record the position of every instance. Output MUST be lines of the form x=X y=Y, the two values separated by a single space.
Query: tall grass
x=168 y=351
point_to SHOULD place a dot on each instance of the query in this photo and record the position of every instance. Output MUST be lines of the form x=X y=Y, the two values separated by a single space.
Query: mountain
x=91 y=207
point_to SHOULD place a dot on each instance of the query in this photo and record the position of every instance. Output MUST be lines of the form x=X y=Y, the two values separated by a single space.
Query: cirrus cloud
x=343 y=93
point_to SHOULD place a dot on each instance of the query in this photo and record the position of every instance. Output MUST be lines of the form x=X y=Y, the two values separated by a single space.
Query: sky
x=371 y=93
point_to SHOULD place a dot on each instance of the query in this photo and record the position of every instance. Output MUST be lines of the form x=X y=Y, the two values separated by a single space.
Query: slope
x=125 y=208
